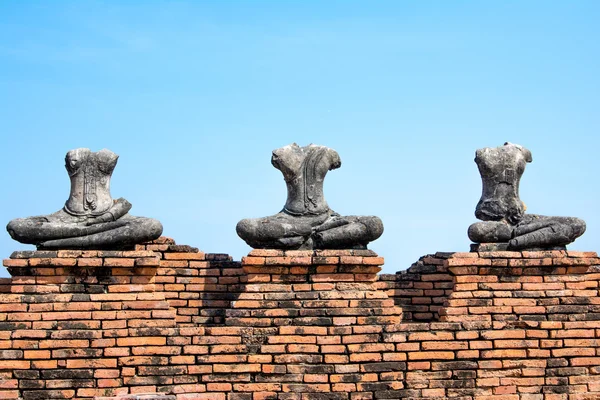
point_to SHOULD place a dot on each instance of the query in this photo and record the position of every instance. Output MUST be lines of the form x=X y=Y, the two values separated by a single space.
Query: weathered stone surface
x=505 y=225
x=90 y=219
x=306 y=221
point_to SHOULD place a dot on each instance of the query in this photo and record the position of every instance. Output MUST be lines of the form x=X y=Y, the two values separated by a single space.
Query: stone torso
x=501 y=169
x=90 y=181
x=304 y=170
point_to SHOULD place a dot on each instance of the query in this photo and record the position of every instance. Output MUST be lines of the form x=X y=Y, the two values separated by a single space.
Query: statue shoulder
x=107 y=160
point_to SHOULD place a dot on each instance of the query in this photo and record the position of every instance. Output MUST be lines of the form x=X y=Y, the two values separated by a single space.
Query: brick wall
x=422 y=289
x=172 y=320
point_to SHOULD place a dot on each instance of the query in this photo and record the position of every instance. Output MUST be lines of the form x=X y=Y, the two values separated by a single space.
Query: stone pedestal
x=552 y=285
x=312 y=288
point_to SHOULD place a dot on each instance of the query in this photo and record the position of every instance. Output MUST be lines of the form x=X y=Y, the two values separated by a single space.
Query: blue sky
x=194 y=96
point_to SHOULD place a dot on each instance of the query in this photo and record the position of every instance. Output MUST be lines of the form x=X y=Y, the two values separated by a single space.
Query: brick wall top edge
x=519 y=254
x=273 y=261
x=162 y=240
x=181 y=248
x=152 y=248
x=171 y=247
x=25 y=254
x=311 y=253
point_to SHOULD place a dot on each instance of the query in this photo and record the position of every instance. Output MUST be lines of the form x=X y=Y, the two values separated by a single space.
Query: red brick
x=431 y=355
x=184 y=256
x=434 y=336
x=142 y=341
x=459 y=262
x=514 y=344
x=89 y=262
x=119 y=262
x=36 y=354
x=504 y=353
x=15 y=262
x=585 y=361
x=14 y=364
x=44 y=364
x=59 y=344
x=236 y=368
x=93 y=363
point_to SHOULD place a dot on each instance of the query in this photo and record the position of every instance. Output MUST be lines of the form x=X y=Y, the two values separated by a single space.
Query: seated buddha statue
x=504 y=221
x=90 y=219
x=306 y=221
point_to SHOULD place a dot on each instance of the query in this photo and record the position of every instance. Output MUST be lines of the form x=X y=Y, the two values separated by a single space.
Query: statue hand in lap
x=119 y=208
x=90 y=219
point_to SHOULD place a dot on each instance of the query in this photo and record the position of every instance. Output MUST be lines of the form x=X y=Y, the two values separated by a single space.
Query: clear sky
x=195 y=95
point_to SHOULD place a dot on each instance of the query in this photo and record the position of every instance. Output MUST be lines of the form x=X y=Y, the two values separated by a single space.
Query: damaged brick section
x=169 y=322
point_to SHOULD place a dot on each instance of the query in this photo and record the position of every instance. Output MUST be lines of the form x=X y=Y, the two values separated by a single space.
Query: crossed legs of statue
x=532 y=231
x=64 y=231
x=327 y=230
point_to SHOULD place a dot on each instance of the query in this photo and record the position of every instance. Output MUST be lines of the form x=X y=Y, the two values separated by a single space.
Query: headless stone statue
x=506 y=226
x=306 y=221
x=90 y=219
